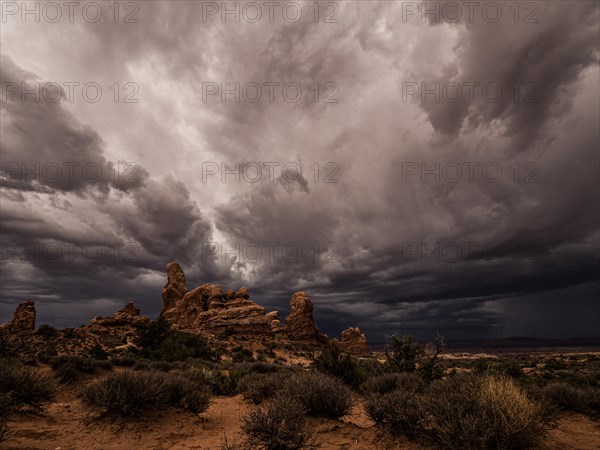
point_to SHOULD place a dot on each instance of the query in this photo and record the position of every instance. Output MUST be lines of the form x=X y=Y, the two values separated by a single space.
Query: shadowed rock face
x=355 y=342
x=300 y=325
x=23 y=319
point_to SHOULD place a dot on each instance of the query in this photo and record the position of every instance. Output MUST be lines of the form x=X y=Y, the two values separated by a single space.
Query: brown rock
x=23 y=319
x=206 y=309
x=300 y=325
x=355 y=342
x=176 y=287
x=273 y=318
x=128 y=315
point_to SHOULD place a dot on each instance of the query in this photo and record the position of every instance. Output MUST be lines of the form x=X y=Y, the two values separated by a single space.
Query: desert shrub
x=401 y=410
x=7 y=408
x=26 y=387
x=570 y=397
x=261 y=367
x=69 y=368
x=403 y=354
x=10 y=344
x=127 y=393
x=507 y=367
x=157 y=342
x=332 y=361
x=141 y=365
x=386 y=383
x=123 y=361
x=103 y=364
x=161 y=366
x=279 y=426
x=555 y=364
x=187 y=394
x=320 y=394
x=46 y=331
x=258 y=387
x=98 y=353
x=482 y=412
x=242 y=355
x=132 y=393
x=564 y=396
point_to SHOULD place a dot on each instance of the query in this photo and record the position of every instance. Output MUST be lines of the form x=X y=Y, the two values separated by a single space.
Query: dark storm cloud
x=70 y=240
x=361 y=237
x=544 y=59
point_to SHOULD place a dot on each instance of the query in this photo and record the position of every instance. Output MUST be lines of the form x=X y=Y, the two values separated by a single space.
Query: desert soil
x=67 y=425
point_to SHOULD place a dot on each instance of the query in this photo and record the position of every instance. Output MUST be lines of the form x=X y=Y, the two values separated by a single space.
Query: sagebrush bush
x=386 y=383
x=320 y=394
x=333 y=361
x=402 y=411
x=279 y=426
x=69 y=368
x=259 y=387
x=472 y=412
x=123 y=361
x=25 y=386
x=7 y=408
x=514 y=418
x=566 y=396
x=132 y=393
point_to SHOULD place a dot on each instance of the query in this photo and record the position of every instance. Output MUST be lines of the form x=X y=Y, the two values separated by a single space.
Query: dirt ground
x=66 y=425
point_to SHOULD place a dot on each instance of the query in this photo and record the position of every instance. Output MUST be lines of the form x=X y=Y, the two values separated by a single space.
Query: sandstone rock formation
x=273 y=317
x=300 y=324
x=23 y=319
x=176 y=287
x=355 y=342
x=207 y=309
x=128 y=315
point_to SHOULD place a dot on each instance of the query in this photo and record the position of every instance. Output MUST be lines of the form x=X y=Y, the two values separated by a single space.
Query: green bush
x=320 y=394
x=133 y=393
x=157 y=342
x=46 y=331
x=403 y=354
x=279 y=426
x=332 y=361
x=26 y=387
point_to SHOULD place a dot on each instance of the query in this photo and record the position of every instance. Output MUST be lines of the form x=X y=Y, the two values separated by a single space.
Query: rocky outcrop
x=23 y=319
x=273 y=318
x=176 y=287
x=128 y=315
x=300 y=324
x=208 y=309
x=355 y=342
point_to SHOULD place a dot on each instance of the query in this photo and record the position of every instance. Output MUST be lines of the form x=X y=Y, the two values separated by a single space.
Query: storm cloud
x=341 y=163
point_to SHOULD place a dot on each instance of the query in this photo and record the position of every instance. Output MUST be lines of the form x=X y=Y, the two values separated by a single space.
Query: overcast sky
x=410 y=170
